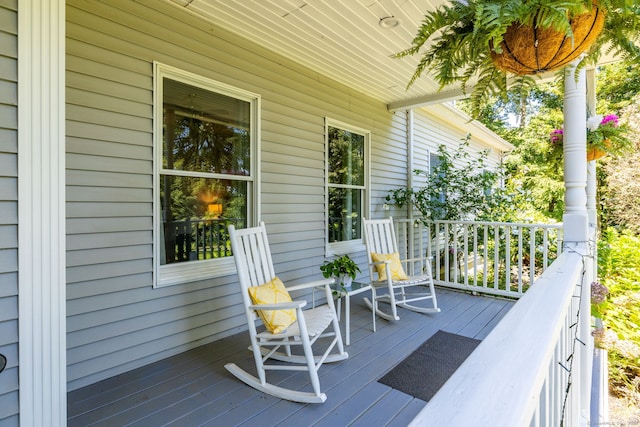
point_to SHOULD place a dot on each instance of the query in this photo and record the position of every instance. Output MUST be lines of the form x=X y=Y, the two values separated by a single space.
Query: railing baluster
x=465 y=254
x=496 y=257
x=452 y=245
x=520 y=258
x=485 y=273
x=507 y=259
x=447 y=269
x=436 y=234
x=475 y=255
x=532 y=256
x=545 y=248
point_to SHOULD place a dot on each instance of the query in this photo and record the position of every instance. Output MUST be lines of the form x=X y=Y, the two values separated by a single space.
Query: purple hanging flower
x=599 y=293
x=610 y=120
x=605 y=134
x=557 y=136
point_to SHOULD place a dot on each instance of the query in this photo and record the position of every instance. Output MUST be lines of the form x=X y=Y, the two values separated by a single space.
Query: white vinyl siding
x=116 y=320
x=9 y=406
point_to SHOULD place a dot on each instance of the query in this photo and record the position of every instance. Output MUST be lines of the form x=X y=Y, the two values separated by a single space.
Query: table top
x=355 y=288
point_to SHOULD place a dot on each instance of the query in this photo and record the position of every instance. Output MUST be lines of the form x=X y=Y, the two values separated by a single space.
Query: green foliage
x=340 y=266
x=618 y=85
x=619 y=269
x=458 y=188
x=454 y=41
x=346 y=182
x=536 y=165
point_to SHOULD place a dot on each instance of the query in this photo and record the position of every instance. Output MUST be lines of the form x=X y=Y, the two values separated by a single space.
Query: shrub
x=619 y=265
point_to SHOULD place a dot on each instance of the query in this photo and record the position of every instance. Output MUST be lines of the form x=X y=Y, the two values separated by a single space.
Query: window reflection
x=346 y=184
x=205 y=161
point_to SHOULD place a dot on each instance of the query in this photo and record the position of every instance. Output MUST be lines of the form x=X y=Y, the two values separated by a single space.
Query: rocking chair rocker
x=256 y=276
x=385 y=263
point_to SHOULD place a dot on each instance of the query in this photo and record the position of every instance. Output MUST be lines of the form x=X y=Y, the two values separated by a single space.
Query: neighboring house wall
x=116 y=320
x=430 y=131
x=9 y=212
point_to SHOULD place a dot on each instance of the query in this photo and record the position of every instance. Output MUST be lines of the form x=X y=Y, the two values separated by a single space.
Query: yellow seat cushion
x=273 y=292
x=395 y=266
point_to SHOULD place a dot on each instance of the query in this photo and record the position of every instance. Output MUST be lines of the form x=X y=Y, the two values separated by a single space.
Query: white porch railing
x=526 y=372
x=485 y=257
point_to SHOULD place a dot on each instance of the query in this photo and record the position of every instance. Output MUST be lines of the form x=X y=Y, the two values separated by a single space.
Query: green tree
x=460 y=187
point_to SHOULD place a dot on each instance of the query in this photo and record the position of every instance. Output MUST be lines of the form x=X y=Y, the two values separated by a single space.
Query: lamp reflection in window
x=214 y=209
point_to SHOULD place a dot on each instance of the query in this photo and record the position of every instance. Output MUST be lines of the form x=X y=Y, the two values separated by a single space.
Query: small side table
x=356 y=288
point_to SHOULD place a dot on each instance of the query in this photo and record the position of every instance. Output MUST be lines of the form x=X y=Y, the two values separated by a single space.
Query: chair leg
x=308 y=354
x=433 y=293
x=257 y=357
x=336 y=329
x=392 y=299
x=432 y=288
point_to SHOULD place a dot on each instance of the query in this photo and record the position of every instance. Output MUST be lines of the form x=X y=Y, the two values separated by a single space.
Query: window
x=347 y=182
x=205 y=139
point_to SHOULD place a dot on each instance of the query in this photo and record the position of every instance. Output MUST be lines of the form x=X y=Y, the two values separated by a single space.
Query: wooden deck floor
x=193 y=388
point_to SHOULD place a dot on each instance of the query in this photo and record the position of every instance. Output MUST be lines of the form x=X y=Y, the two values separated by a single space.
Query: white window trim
x=180 y=273
x=356 y=245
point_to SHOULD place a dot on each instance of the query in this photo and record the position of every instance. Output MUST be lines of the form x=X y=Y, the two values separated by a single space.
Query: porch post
x=575 y=155
x=576 y=219
x=410 y=165
x=591 y=166
x=591 y=266
x=41 y=213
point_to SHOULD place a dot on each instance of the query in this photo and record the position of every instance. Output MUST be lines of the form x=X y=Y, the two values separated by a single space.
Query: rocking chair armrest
x=314 y=284
x=278 y=306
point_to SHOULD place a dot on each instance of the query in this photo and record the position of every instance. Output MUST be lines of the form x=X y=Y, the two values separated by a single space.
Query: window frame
x=180 y=273
x=355 y=245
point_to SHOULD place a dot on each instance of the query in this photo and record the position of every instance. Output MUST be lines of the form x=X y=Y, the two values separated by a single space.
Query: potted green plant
x=343 y=268
x=604 y=136
x=485 y=43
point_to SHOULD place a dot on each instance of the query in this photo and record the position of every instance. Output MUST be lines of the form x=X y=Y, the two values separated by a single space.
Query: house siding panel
x=430 y=135
x=116 y=320
x=9 y=407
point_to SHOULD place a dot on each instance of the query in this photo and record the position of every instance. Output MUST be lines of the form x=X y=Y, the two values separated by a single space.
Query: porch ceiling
x=342 y=40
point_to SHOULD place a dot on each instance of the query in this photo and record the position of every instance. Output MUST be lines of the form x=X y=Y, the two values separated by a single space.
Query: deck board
x=194 y=389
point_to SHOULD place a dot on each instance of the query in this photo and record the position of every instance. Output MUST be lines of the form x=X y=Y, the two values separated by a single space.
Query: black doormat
x=425 y=370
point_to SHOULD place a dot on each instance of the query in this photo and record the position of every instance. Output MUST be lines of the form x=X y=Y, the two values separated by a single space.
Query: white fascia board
x=451 y=115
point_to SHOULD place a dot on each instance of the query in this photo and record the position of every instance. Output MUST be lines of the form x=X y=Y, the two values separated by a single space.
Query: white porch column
x=410 y=148
x=591 y=166
x=576 y=219
x=575 y=156
x=41 y=210
x=591 y=267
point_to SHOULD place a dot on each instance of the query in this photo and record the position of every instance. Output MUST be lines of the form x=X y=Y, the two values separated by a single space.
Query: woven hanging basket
x=531 y=50
x=595 y=153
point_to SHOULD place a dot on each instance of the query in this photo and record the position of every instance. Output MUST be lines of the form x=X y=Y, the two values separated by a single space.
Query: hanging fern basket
x=531 y=50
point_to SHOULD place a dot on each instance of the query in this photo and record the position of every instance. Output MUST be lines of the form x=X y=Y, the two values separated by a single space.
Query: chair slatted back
x=380 y=236
x=251 y=253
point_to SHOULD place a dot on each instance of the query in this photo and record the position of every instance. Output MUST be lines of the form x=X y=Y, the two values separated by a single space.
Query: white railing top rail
x=500 y=383
x=490 y=223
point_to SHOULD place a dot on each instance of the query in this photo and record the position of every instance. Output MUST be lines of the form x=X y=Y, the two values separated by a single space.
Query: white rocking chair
x=255 y=267
x=380 y=239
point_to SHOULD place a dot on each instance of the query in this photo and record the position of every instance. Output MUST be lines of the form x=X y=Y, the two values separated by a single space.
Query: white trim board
x=41 y=212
